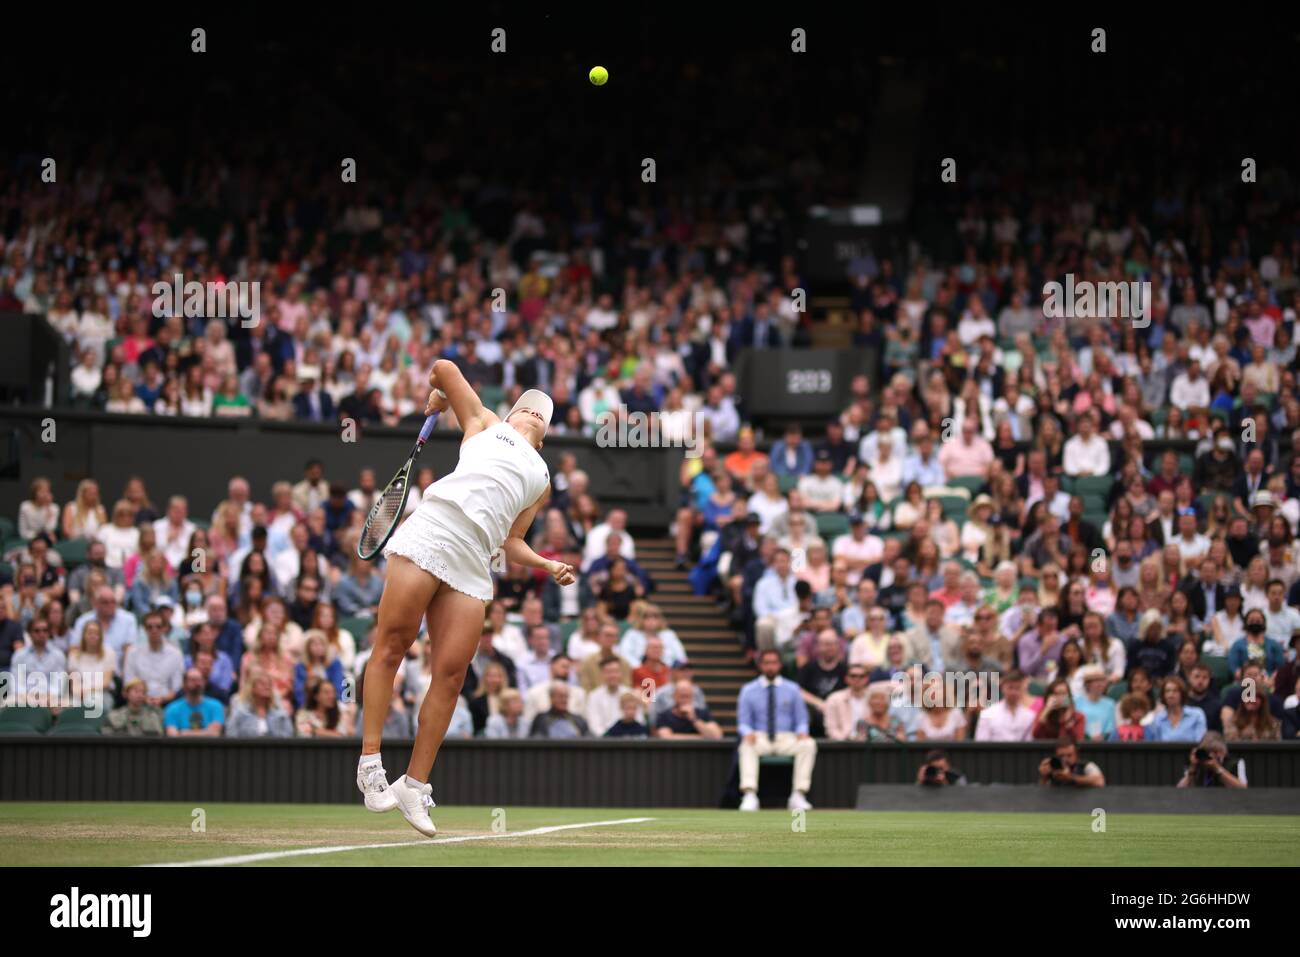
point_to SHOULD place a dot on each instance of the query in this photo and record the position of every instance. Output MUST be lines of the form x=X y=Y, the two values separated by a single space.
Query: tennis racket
x=387 y=512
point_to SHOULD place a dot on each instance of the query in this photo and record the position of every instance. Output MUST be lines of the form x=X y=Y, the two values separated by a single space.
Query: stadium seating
x=77 y=721
x=1219 y=669
x=72 y=551
x=832 y=524
x=25 y=720
x=969 y=483
x=357 y=627
x=1095 y=487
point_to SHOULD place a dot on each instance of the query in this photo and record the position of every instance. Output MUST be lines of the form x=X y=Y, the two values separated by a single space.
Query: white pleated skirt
x=445 y=543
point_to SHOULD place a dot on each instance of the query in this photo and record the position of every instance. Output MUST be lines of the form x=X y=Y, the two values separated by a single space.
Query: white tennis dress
x=464 y=517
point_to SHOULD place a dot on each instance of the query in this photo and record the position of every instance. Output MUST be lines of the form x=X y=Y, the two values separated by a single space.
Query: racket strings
x=383 y=517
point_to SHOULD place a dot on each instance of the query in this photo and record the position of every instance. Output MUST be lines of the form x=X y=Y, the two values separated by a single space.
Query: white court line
x=306 y=851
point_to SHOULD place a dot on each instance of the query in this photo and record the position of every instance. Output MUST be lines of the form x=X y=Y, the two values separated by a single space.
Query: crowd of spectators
x=255 y=620
x=1101 y=512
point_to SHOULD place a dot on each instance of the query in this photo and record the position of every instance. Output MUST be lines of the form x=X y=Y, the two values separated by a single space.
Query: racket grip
x=427 y=429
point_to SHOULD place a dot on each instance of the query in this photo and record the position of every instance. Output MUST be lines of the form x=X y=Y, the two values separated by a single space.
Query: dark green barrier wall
x=563 y=774
x=196 y=457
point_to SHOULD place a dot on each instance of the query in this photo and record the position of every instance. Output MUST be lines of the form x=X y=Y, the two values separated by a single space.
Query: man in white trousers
x=773 y=719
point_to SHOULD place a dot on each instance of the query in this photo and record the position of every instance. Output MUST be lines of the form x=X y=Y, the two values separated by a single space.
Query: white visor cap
x=536 y=401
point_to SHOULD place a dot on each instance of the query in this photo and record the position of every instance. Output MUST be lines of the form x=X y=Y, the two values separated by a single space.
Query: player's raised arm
x=518 y=551
x=471 y=413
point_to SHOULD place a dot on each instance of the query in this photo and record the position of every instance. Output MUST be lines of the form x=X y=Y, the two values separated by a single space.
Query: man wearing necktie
x=773 y=719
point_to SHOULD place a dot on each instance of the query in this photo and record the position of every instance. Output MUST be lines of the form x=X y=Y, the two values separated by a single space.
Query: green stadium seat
x=831 y=525
x=776 y=759
x=7 y=528
x=1094 y=485
x=358 y=628
x=1037 y=688
x=492 y=396
x=1186 y=464
x=76 y=721
x=1027 y=581
x=954 y=507
x=969 y=483
x=1158 y=416
x=1219 y=669
x=787 y=482
x=15 y=720
x=1118 y=690
x=73 y=551
x=1092 y=502
x=567 y=628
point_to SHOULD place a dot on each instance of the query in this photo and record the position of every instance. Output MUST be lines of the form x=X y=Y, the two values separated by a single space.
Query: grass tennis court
x=130 y=834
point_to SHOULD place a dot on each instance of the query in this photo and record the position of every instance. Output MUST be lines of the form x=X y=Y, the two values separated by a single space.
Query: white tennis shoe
x=749 y=802
x=798 y=802
x=373 y=783
x=414 y=800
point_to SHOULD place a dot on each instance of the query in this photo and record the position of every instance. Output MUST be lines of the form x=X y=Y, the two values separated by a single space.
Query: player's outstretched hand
x=562 y=573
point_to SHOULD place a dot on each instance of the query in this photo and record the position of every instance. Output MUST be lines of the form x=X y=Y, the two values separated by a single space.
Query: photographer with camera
x=1064 y=769
x=1207 y=768
x=938 y=772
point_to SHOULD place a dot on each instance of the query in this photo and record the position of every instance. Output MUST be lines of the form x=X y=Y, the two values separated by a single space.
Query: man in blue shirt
x=773 y=719
x=194 y=713
x=922 y=466
x=119 y=625
x=793 y=454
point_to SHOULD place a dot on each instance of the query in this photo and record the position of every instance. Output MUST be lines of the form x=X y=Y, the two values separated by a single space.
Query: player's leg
x=408 y=591
x=455 y=626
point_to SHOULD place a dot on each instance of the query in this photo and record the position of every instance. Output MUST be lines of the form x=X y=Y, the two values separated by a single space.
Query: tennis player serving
x=438 y=569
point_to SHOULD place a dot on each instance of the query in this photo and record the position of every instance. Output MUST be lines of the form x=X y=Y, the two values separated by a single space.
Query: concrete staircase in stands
x=712 y=644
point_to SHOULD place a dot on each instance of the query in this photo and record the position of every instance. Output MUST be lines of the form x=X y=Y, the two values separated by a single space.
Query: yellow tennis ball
x=598 y=76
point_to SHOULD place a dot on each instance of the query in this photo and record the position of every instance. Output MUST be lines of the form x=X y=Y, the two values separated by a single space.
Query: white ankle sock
x=369 y=761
